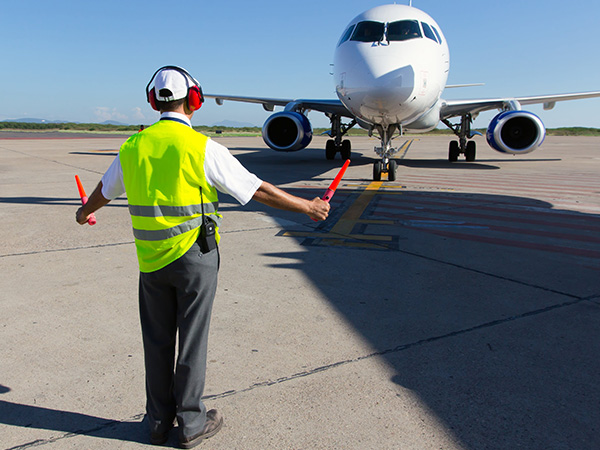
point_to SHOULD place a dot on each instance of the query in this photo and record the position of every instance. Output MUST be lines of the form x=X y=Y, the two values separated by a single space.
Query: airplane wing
x=324 y=106
x=454 y=108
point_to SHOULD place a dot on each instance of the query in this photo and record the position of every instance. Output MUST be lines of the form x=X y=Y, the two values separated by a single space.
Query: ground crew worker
x=171 y=175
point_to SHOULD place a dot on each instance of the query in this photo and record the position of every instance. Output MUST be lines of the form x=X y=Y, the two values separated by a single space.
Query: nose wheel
x=383 y=166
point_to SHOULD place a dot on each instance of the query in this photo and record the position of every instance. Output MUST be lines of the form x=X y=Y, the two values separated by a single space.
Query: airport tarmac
x=455 y=308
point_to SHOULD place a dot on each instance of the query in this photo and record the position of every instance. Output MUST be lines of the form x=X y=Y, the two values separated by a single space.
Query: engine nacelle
x=287 y=131
x=515 y=132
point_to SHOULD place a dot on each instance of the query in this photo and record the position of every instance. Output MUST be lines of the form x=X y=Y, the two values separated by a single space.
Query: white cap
x=172 y=80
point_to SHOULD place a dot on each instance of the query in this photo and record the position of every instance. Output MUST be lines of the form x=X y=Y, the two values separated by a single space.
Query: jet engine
x=287 y=131
x=515 y=132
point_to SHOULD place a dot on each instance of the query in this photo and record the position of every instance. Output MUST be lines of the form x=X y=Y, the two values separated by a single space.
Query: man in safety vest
x=171 y=175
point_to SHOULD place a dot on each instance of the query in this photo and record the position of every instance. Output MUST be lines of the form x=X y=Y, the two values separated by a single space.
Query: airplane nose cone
x=378 y=95
x=390 y=88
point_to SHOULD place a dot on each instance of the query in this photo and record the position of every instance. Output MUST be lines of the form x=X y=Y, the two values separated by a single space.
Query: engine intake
x=287 y=131
x=515 y=132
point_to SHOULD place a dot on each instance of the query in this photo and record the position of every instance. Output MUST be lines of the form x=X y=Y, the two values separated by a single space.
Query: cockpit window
x=437 y=34
x=368 y=32
x=403 y=30
x=428 y=32
x=346 y=35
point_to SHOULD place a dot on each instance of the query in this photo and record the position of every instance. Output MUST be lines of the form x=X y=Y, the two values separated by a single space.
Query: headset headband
x=180 y=70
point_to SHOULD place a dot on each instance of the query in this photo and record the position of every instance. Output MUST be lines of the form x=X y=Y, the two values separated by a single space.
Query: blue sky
x=90 y=61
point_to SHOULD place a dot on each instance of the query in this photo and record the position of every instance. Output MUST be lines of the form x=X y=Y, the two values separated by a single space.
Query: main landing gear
x=462 y=146
x=335 y=145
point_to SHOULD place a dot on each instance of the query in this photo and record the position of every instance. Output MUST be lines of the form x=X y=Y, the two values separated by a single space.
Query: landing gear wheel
x=470 y=151
x=453 y=151
x=377 y=169
x=330 y=149
x=392 y=170
x=346 y=150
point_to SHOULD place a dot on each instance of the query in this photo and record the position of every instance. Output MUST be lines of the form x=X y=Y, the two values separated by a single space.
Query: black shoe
x=157 y=438
x=214 y=422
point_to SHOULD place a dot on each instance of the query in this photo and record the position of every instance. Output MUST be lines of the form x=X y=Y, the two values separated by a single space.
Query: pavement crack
x=68 y=249
x=398 y=349
x=92 y=431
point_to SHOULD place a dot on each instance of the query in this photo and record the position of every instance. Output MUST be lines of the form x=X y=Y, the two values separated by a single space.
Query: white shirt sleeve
x=227 y=174
x=112 y=181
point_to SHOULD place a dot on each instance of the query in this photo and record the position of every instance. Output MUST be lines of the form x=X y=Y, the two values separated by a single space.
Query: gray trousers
x=177 y=299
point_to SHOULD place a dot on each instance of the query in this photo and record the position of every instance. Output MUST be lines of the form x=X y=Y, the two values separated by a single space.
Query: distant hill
x=35 y=120
x=234 y=124
x=32 y=120
x=113 y=122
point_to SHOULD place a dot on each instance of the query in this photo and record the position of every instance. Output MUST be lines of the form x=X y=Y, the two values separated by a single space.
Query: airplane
x=390 y=68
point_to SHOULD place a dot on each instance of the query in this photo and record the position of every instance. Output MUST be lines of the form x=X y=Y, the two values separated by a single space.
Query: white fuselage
x=391 y=67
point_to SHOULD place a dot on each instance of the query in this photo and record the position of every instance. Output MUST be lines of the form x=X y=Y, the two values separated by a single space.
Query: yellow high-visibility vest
x=163 y=174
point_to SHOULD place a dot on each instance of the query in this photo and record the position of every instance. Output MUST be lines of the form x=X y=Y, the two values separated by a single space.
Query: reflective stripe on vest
x=174 y=211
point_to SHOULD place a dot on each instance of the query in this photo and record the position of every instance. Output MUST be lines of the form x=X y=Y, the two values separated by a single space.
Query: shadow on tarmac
x=71 y=424
x=289 y=167
x=102 y=153
x=488 y=321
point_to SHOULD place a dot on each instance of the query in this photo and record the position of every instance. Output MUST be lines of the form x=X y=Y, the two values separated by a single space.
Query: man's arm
x=272 y=196
x=94 y=203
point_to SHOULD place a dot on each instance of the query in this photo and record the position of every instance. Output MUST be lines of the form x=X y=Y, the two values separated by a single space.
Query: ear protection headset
x=195 y=98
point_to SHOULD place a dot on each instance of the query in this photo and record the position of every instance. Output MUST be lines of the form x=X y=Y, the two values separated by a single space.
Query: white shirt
x=221 y=168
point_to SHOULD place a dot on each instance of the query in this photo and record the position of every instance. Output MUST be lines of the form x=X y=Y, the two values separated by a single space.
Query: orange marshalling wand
x=333 y=186
x=84 y=199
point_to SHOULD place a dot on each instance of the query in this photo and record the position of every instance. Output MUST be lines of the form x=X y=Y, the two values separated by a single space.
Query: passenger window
x=428 y=32
x=368 y=32
x=346 y=35
x=437 y=34
x=403 y=30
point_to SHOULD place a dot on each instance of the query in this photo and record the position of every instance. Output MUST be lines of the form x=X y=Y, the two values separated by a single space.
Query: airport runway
x=457 y=307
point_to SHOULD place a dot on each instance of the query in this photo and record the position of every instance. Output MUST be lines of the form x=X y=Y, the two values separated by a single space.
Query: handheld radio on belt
x=207 y=238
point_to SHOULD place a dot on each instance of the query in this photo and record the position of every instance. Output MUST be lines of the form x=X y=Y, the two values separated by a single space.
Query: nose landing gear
x=386 y=151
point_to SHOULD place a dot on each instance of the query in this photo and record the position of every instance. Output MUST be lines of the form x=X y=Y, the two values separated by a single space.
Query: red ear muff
x=152 y=99
x=195 y=98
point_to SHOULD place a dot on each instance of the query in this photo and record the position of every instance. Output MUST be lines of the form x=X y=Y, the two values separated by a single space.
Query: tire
x=470 y=151
x=453 y=151
x=377 y=168
x=330 y=150
x=346 y=150
x=392 y=166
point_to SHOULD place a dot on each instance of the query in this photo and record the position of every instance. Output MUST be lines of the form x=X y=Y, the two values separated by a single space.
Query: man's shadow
x=71 y=424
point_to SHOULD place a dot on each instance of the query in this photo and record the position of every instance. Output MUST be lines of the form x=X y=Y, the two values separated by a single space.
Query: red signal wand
x=333 y=186
x=84 y=199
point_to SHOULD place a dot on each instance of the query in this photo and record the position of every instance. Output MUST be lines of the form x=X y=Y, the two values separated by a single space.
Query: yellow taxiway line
x=342 y=229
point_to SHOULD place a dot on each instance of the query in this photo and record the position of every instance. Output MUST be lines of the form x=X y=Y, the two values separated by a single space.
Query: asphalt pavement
x=457 y=307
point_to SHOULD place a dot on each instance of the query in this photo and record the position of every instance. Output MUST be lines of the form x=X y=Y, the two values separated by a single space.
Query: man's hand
x=270 y=195
x=94 y=203
x=319 y=209
x=81 y=217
